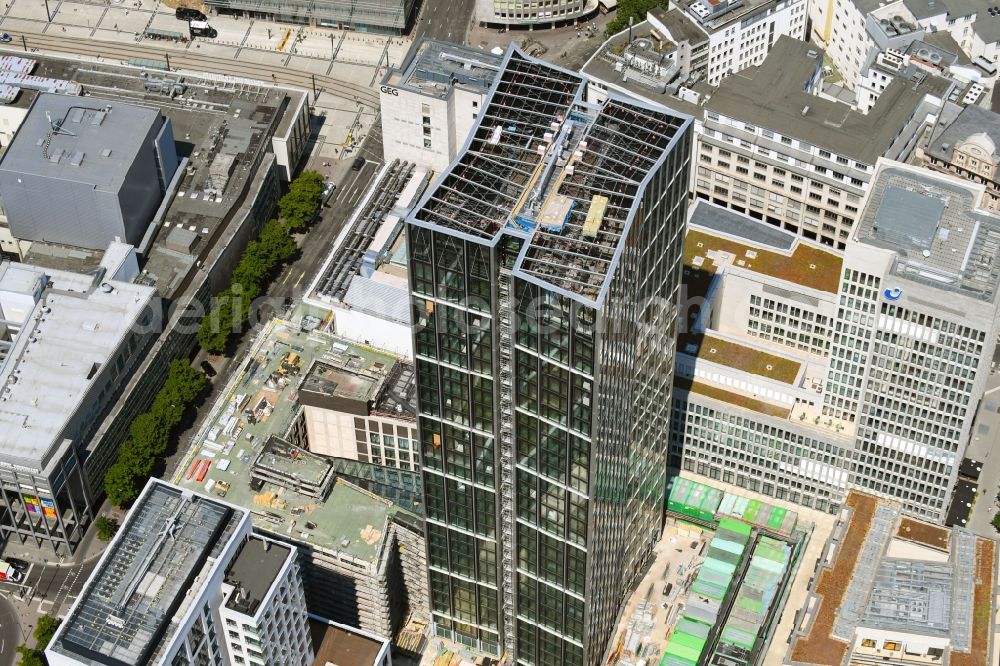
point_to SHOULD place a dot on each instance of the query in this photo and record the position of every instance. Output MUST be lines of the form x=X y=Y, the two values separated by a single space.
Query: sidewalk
x=568 y=46
x=126 y=20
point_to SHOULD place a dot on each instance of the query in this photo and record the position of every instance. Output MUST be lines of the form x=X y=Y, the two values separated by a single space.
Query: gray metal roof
x=68 y=138
x=434 y=67
x=383 y=300
x=932 y=224
x=773 y=95
x=853 y=605
x=906 y=217
x=972 y=120
x=123 y=616
x=911 y=595
x=723 y=220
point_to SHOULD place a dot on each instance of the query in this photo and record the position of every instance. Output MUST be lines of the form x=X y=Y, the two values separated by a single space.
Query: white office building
x=430 y=103
x=740 y=32
x=807 y=372
x=913 y=345
x=852 y=31
x=753 y=361
x=68 y=344
x=186 y=582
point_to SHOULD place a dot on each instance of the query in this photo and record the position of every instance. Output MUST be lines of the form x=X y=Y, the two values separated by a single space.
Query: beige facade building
x=772 y=148
x=967 y=148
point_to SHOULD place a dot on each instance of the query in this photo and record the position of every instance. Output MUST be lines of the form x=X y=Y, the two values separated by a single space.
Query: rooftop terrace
x=539 y=163
x=933 y=224
x=819 y=646
x=872 y=585
x=733 y=398
x=740 y=356
x=167 y=540
x=350 y=519
x=718 y=237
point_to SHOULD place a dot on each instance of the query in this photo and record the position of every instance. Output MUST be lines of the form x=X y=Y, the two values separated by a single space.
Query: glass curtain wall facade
x=544 y=403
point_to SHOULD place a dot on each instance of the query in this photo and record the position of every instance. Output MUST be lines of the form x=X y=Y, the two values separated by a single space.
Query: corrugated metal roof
x=380 y=299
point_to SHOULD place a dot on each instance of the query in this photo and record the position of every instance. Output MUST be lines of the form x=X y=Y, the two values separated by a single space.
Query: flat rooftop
x=883 y=573
x=740 y=356
x=773 y=95
x=536 y=144
x=604 y=66
x=433 y=68
x=64 y=341
x=211 y=116
x=80 y=139
x=933 y=224
x=737 y=13
x=343 y=646
x=281 y=457
x=253 y=572
x=342 y=521
x=732 y=397
x=680 y=24
x=169 y=538
x=718 y=237
x=340 y=382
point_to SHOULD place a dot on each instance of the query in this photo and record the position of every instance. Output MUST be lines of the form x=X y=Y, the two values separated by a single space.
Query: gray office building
x=85 y=171
x=544 y=276
x=379 y=16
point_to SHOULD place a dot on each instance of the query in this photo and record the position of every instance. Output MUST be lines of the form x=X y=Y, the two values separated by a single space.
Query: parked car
x=20 y=565
x=202 y=29
x=188 y=14
x=5 y=38
x=207 y=368
x=9 y=574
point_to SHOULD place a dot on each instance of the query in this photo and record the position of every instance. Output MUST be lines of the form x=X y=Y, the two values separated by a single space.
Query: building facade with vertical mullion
x=545 y=271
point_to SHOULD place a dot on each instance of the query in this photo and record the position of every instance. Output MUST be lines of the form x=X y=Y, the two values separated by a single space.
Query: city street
x=444 y=20
x=10 y=632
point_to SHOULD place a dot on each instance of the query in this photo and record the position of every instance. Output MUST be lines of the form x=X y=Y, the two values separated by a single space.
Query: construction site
x=362 y=556
x=715 y=591
x=566 y=174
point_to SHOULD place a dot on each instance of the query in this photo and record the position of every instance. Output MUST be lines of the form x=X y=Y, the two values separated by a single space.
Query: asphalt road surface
x=10 y=632
x=447 y=20
x=297 y=275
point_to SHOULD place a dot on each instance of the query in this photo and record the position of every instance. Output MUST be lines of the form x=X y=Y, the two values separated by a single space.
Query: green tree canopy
x=299 y=205
x=30 y=656
x=106 y=527
x=44 y=630
x=634 y=9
